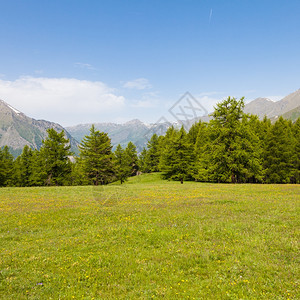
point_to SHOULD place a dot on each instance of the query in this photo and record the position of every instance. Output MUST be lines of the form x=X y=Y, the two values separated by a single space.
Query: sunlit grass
x=150 y=239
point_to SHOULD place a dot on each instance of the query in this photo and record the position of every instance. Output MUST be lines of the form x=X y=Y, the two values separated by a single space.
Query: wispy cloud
x=144 y=104
x=138 y=84
x=209 y=99
x=210 y=15
x=64 y=100
x=147 y=100
x=84 y=66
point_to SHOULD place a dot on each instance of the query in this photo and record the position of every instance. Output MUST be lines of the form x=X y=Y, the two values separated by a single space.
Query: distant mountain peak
x=262 y=99
x=134 y=122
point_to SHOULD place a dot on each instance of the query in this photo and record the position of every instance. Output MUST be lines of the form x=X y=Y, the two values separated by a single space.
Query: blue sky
x=72 y=61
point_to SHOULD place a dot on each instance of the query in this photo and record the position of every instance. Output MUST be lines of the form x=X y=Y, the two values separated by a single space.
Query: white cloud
x=84 y=66
x=148 y=100
x=63 y=100
x=209 y=100
x=144 y=104
x=138 y=84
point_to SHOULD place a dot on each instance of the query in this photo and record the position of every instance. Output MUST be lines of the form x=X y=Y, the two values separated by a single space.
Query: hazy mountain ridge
x=266 y=107
x=292 y=115
x=18 y=130
x=135 y=131
x=139 y=132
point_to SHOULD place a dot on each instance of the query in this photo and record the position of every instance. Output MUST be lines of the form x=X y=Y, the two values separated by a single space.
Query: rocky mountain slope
x=292 y=115
x=18 y=130
x=266 y=107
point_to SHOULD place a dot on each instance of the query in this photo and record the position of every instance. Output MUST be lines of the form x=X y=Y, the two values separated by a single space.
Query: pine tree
x=37 y=170
x=296 y=156
x=142 y=161
x=96 y=155
x=55 y=151
x=250 y=153
x=233 y=144
x=202 y=153
x=279 y=153
x=122 y=168
x=177 y=157
x=6 y=166
x=153 y=154
x=22 y=167
x=78 y=175
x=132 y=158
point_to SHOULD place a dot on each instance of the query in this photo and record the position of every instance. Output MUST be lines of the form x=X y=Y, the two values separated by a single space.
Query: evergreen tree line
x=54 y=164
x=232 y=147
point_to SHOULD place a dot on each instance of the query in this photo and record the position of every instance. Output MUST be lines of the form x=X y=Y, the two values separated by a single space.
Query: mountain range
x=139 y=133
x=18 y=130
x=135 y=131
x=266 y=107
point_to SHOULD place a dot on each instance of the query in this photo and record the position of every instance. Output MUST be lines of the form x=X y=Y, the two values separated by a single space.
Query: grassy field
x=150 y=239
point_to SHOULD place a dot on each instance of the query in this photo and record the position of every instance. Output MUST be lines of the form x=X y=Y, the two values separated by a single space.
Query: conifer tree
x=78 y=175
x=153 y=154
x=232 y=144
x=177 y=157
x=132 y=158
x=96 y=156
x=6 y=166
x=37 y=170
x=22 y=167
x=202 y=153
x=54 y=152
x=142 y=161
x=122 y=168
x=296 y=157
x=279 y=153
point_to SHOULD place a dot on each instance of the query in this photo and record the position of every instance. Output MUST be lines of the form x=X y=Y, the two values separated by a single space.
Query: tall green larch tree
x=279 y=153
x=142 y=161
x=55 y=152
x=122 y=168
x=96 y=156
x=38 y=173
x=201 y=153
x=23 y=167
x=177 y=157
x=153 y=154
x=296 y=157
x=6 y=166
x=132 y=158
x=233 y=157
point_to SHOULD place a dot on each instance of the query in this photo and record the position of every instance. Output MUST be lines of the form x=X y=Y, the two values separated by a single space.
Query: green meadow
x=150 y=239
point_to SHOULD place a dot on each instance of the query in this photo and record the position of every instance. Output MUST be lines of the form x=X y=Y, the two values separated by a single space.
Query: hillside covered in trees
x=233 y=147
